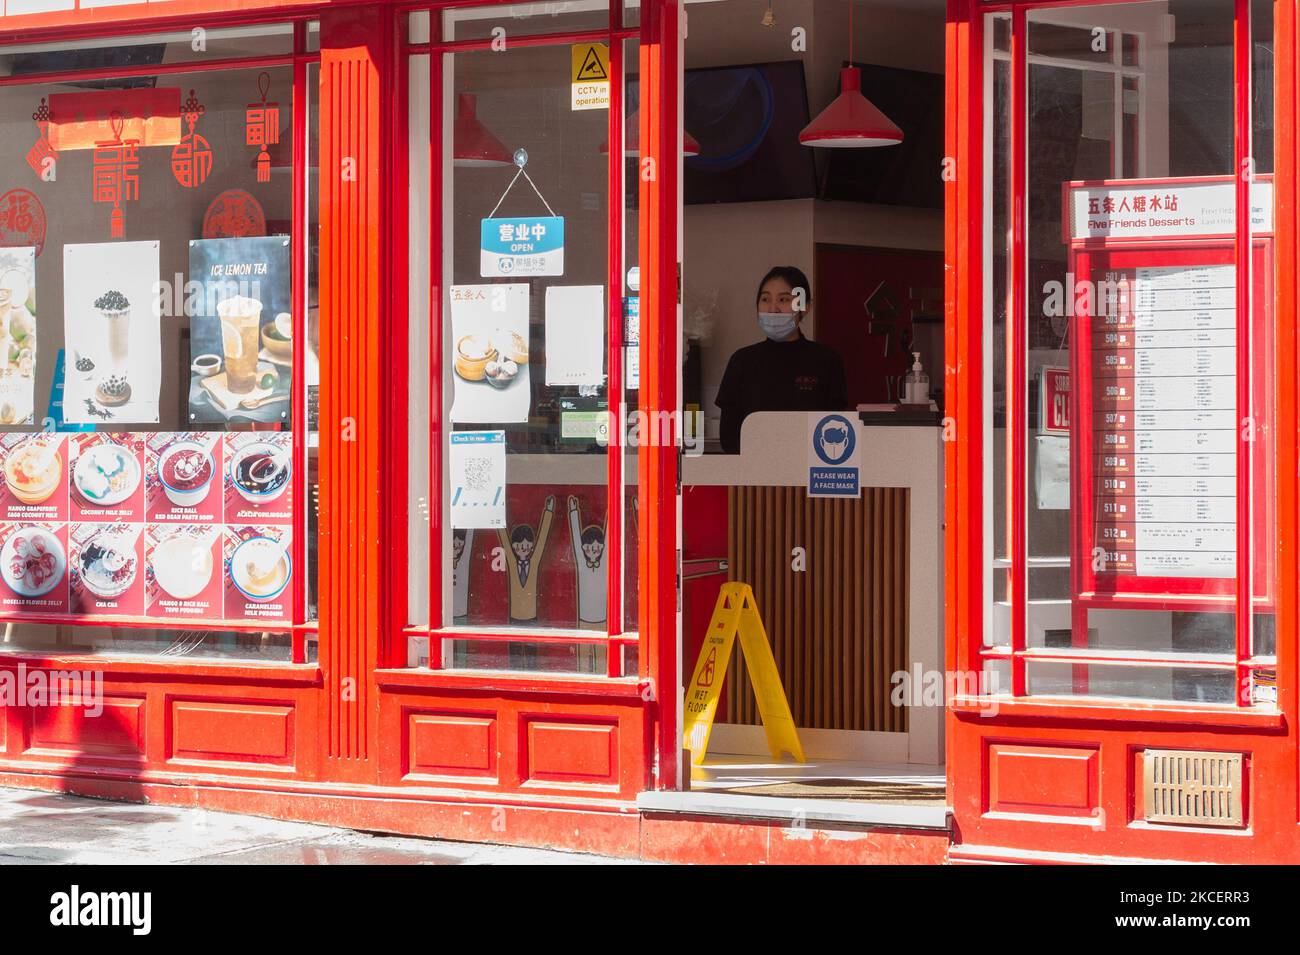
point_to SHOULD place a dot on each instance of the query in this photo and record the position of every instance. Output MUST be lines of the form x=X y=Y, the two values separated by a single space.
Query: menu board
x=1164 y=440
x=185 y=525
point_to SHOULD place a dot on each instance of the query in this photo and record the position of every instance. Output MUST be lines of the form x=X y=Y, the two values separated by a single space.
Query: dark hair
x=793 y=277
x=593 y=535
x=521 y=534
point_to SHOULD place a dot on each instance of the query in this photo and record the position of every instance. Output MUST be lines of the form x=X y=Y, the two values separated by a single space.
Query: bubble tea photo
x=240 y=329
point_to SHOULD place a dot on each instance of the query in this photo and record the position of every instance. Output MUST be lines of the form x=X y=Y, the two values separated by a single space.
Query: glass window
x=1131 y=375
x=154 y=349
x=510 y=508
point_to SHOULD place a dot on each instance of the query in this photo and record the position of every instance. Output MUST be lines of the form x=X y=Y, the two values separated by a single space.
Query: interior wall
x=729 y=247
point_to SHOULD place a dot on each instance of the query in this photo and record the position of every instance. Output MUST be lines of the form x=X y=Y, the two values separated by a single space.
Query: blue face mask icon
x=777 y=325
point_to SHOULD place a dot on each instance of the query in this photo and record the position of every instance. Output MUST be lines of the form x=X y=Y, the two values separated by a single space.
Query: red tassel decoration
x=117 y=224
x=263 y=166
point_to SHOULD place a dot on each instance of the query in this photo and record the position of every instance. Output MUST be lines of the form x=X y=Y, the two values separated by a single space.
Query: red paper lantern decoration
x=262 y=127
x=115 y=174
x=43 y=151
x=192 y=156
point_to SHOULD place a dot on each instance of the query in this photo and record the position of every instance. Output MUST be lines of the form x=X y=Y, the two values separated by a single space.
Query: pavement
x=51 y=828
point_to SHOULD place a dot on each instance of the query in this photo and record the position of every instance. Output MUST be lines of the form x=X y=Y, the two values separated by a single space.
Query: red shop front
x=358 y=482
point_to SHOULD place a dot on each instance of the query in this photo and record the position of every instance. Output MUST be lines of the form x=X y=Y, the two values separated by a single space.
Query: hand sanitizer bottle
x=916 y=384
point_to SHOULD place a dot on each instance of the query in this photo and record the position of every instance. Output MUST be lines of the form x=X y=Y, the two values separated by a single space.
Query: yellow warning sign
x=736 y=615
x=590 y=76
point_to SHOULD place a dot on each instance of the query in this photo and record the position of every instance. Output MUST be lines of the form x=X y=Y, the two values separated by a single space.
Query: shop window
x=522 y=519
x=1129 y=375
x=158 y=347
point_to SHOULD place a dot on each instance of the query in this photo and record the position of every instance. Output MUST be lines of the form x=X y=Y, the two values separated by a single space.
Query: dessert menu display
x=1164 y=405
x=160 y=524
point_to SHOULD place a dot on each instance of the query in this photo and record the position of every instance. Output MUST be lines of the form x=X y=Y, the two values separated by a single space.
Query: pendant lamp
x=690 y=145
x=472 y=144
x=851 y=121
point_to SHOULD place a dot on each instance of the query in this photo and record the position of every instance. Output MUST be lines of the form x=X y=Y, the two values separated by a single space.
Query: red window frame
x=616 y=637
x=967 y=596
x=298 y=60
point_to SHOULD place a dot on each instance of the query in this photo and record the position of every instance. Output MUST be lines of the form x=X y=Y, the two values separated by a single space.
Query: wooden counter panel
x=839 y=627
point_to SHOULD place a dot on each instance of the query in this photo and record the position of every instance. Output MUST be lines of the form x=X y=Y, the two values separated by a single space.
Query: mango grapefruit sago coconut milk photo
x=32 y=471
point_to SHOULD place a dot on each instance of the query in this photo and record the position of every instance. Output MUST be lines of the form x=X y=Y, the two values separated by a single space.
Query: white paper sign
x=477 y=463
x=1052 y=472
x=489 y=354
x=112 y=333
x=575 y=335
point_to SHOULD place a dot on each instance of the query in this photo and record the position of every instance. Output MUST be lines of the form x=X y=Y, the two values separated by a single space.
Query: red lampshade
x=472 y=144
x=690 y=145
x=851 y=121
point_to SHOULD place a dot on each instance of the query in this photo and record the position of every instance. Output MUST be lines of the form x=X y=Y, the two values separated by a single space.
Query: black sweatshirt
x=798 y=375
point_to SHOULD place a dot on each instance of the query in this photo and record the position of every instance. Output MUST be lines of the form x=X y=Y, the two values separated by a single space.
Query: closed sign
x=1054 y=402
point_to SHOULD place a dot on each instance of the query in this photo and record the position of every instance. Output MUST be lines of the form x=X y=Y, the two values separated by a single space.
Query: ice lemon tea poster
x=241 y=330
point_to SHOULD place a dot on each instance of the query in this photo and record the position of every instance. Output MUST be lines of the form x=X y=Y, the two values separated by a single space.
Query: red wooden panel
x=1043 y=780
x=570 y=752
x=354 y=324
x=118 y=730
x=230 y=732
x=452 y=744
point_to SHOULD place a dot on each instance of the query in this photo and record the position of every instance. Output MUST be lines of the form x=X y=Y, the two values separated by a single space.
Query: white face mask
x=777 y=325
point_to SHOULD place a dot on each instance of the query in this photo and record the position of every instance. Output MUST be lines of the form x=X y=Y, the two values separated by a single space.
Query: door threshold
x=799 y=811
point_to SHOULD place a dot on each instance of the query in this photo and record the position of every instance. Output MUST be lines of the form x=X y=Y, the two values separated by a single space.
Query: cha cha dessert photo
x=106 y=474
x=32 y=561
x=32 y=470
x=107 y=563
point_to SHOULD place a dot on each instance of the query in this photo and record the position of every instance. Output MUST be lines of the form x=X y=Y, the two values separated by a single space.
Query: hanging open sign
x=522 y=246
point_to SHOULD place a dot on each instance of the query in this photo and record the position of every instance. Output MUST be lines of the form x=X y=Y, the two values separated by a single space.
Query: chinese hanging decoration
x=115 y=174
x=192 y=156
x=22 y=220
x=262 y=127
x=43 y=153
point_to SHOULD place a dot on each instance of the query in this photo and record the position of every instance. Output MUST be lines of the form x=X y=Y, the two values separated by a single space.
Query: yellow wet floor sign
x=737 y=616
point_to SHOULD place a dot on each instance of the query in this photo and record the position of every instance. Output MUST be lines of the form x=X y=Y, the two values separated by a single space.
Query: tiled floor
x=740 y=772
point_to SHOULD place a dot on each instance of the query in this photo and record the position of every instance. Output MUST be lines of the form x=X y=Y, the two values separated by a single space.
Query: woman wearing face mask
x=785 y=371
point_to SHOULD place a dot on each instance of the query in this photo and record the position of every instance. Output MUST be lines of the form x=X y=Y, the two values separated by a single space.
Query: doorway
x=850 y=590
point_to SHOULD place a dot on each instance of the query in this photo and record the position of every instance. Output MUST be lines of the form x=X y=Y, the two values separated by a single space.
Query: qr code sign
x=478 y=473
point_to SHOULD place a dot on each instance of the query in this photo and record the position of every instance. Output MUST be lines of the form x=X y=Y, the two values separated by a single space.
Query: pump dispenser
x=916 y=384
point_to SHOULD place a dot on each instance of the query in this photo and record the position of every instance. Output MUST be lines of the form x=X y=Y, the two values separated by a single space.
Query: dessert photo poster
x=17 y=335
x=112 y=333
x=489 y=331
x=241 y=329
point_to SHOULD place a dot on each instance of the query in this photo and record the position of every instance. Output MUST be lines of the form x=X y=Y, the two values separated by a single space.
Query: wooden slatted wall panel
x=838 y=628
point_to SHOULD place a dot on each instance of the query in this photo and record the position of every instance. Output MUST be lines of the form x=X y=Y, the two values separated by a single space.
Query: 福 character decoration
x=262 y=127
x=115 y=173
x=192 y=156
x=42 y=156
